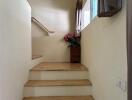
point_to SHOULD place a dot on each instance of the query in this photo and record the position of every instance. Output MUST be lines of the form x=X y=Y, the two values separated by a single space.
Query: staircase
x=58 y=81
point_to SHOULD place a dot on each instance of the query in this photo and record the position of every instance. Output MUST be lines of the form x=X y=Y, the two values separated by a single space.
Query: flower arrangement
x=72 y=39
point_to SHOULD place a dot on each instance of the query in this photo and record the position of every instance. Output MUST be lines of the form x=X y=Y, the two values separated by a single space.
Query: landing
x=59 y=67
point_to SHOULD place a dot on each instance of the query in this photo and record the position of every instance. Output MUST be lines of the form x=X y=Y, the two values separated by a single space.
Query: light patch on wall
x=64 y=15
x=53 y=19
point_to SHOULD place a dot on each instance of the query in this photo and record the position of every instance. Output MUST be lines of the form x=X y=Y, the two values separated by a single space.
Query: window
x=93 y=8
x=89 y=12
x=86 y=14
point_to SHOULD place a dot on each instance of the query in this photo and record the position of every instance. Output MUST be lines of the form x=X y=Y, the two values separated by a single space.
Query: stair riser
x=57 y=91
x=58 y=75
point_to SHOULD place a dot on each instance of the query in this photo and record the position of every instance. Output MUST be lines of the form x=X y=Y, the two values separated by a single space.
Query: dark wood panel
x=129 y=46
x=108 y=8
x=75 y=53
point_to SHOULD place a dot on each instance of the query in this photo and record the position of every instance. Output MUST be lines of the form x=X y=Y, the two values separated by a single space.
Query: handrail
x=41 y=25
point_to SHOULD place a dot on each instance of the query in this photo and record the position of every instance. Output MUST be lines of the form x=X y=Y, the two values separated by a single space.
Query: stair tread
x=36 y=56
x=41 y=83
x=61 y=98
x=59 y=67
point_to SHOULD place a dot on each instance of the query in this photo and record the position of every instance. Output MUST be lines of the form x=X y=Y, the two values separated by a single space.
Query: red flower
x=69 y=36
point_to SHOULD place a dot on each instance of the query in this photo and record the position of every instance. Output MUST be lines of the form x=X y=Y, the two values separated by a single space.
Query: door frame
x=129 y=47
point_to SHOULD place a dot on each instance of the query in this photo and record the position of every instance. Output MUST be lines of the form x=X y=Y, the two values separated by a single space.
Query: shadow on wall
x=41 y=31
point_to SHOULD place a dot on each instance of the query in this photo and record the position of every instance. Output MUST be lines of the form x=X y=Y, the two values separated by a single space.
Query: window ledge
x=84 y=27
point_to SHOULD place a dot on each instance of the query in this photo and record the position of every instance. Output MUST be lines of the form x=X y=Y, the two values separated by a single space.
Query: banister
x=41 y=25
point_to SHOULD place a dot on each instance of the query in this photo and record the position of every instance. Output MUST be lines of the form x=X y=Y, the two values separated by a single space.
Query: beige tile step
x=42 y=83
x=59 y=67
x=60 y=98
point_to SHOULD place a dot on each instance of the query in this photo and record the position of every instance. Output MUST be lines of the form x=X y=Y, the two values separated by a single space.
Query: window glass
x=94 y=8
x=86 y=14
x=89 y=12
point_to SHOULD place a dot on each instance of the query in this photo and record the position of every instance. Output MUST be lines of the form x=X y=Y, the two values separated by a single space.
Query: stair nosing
x=60 y=84
x=90 y=97
x=59 y=70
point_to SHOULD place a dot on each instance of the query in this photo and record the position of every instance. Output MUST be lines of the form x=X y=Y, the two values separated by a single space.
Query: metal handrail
x=41 y=25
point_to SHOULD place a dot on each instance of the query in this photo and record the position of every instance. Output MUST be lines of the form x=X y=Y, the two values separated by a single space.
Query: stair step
x=61 y=98
x=41 y=83
x=59 y=67
x=59 y=80
x=36 y=56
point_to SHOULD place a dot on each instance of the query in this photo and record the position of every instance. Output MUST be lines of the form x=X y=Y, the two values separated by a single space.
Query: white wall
x=15 y=47
x=55 y=14
x=104 y=53
x=59 y=16
x=52 y=48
